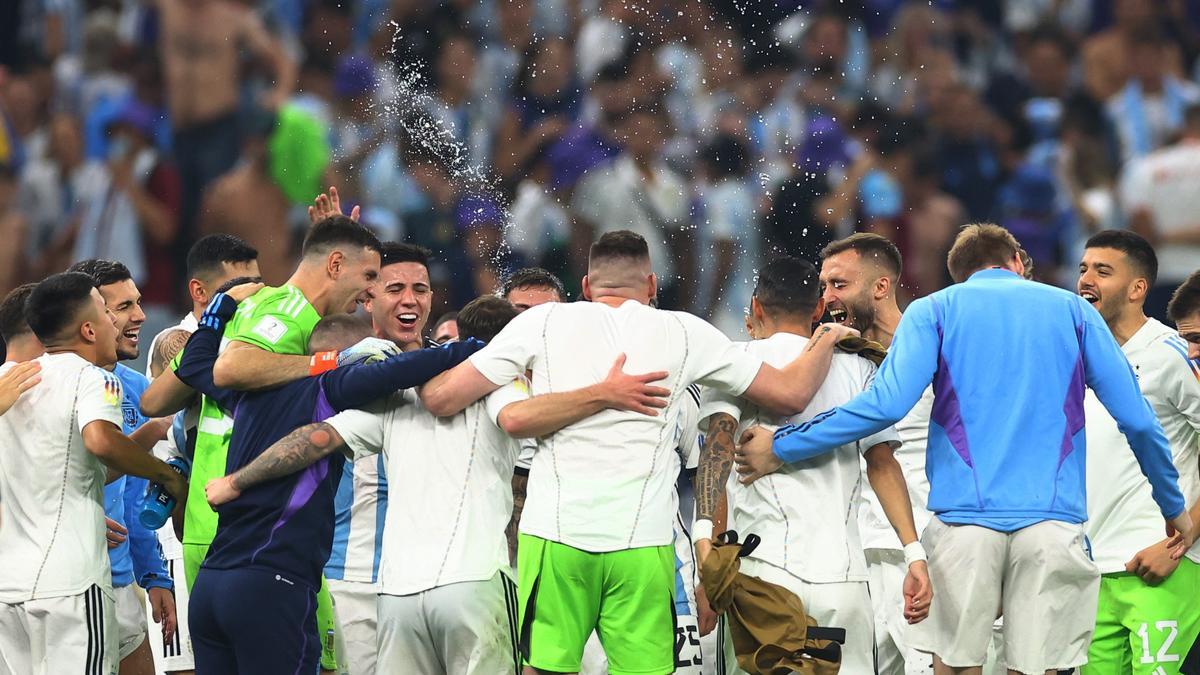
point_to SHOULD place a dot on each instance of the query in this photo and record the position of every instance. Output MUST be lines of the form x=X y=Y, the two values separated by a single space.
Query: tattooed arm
x=293 y=452
x=716 y=461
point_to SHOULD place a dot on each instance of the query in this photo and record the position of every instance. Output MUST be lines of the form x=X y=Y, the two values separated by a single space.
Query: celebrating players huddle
x=913 y=486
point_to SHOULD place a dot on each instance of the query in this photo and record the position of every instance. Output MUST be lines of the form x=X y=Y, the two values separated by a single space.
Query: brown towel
x=868 y=349
x=771 y=632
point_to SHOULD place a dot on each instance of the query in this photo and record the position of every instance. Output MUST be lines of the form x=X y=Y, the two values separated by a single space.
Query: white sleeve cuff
x=702 y=529
x=913 y=553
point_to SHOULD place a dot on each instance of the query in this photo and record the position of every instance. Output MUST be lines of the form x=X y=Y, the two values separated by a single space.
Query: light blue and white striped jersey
x=359 y=514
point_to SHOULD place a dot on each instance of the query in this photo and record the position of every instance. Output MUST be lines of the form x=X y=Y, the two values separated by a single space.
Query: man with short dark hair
x=532 y=286
x=1184 y=310
x=137 y=557
x=807 y=514
x=1146 y=597
x=57 y=613
x=1009 y=361
x=445 y=328
x=20 y=344
x=601 y=490
x=860 y=277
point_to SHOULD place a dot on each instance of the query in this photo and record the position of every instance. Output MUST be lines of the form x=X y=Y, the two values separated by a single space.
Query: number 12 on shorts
x=1164 y=655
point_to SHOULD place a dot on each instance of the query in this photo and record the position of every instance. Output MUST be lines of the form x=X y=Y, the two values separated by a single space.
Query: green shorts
x=1146 y=630
x=193 y=557
x=627 y=597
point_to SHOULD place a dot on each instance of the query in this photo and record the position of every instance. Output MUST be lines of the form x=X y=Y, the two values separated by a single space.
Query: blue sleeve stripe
x=1192 y=363
x=793 y=428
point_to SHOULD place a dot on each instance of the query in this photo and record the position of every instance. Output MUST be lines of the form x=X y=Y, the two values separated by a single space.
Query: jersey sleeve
x=509 y=354
x=99 y=398
x=513 y=392
x=714 y=401
x=266 y=328
x=1108 y=373
x=716 y=361
x=362 y=430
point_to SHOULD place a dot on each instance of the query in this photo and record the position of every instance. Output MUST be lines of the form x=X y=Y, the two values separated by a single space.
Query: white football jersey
x=450 y=487
x=52 y=542
x=607 y=483
x=806 y=513
x=1122 y=516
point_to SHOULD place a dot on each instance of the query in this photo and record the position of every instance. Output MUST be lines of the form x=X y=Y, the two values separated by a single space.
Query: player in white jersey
x=57 y=613
x=806 y=515
x=447 y=598
x=601 y=492
x=1147 y=618
x=859 y=279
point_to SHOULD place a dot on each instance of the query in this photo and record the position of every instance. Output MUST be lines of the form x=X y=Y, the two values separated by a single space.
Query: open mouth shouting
x=132 y=334
x=408 y=320
x=1089 y=295
x=839 y=315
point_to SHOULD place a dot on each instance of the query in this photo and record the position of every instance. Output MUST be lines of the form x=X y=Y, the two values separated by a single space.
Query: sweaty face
x=360 y=274
x=400 y=307
x=531 y=296
x=846 y=288
x=1105 y=276
x=104 y=323
x=1189 y=330
x=124 y=300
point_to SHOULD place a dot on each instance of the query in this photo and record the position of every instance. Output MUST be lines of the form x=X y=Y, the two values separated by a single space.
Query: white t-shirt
x=1122 y=517
x=913 y=430
x=607 y=483
x=1164 y=183
x=52 y=540
x=806 y=512
x=450 y=487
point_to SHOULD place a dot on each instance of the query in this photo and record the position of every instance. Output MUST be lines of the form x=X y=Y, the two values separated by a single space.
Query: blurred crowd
x=509 y=133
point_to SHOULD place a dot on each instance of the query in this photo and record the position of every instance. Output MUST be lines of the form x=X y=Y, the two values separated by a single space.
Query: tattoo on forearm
x=293 y=452
x=519 y=483
x=715 y=464
x=817 y=338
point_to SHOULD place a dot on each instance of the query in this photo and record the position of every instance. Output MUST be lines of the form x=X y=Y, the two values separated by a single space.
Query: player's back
x=607 y=482
x=52 y=534
x=806 y=512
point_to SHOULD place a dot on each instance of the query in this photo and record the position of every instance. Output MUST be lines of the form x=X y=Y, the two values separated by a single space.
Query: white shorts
x=131 y=618
x=894 y=653
x=50 y=636
x=177 y=654
x=356 y=608
x=468 y=628
x=834 y=605
x=1042 y=577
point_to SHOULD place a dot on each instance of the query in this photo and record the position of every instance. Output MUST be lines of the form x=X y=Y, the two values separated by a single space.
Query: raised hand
x=329 y=204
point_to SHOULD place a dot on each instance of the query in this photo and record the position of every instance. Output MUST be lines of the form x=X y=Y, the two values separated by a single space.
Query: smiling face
x=102 y=325
x=846 y=283
x=1107 y=280
x=401 y=304
x=124 y=301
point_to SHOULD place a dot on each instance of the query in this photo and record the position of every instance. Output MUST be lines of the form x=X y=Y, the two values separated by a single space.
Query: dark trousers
x=203 y=153
x=253 y=622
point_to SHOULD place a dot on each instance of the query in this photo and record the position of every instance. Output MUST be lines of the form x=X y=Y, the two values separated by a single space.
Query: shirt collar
x=994 y=273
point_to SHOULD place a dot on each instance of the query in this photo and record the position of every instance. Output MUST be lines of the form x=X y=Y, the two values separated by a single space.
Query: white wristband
x=914 y=552
x=702 y=529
